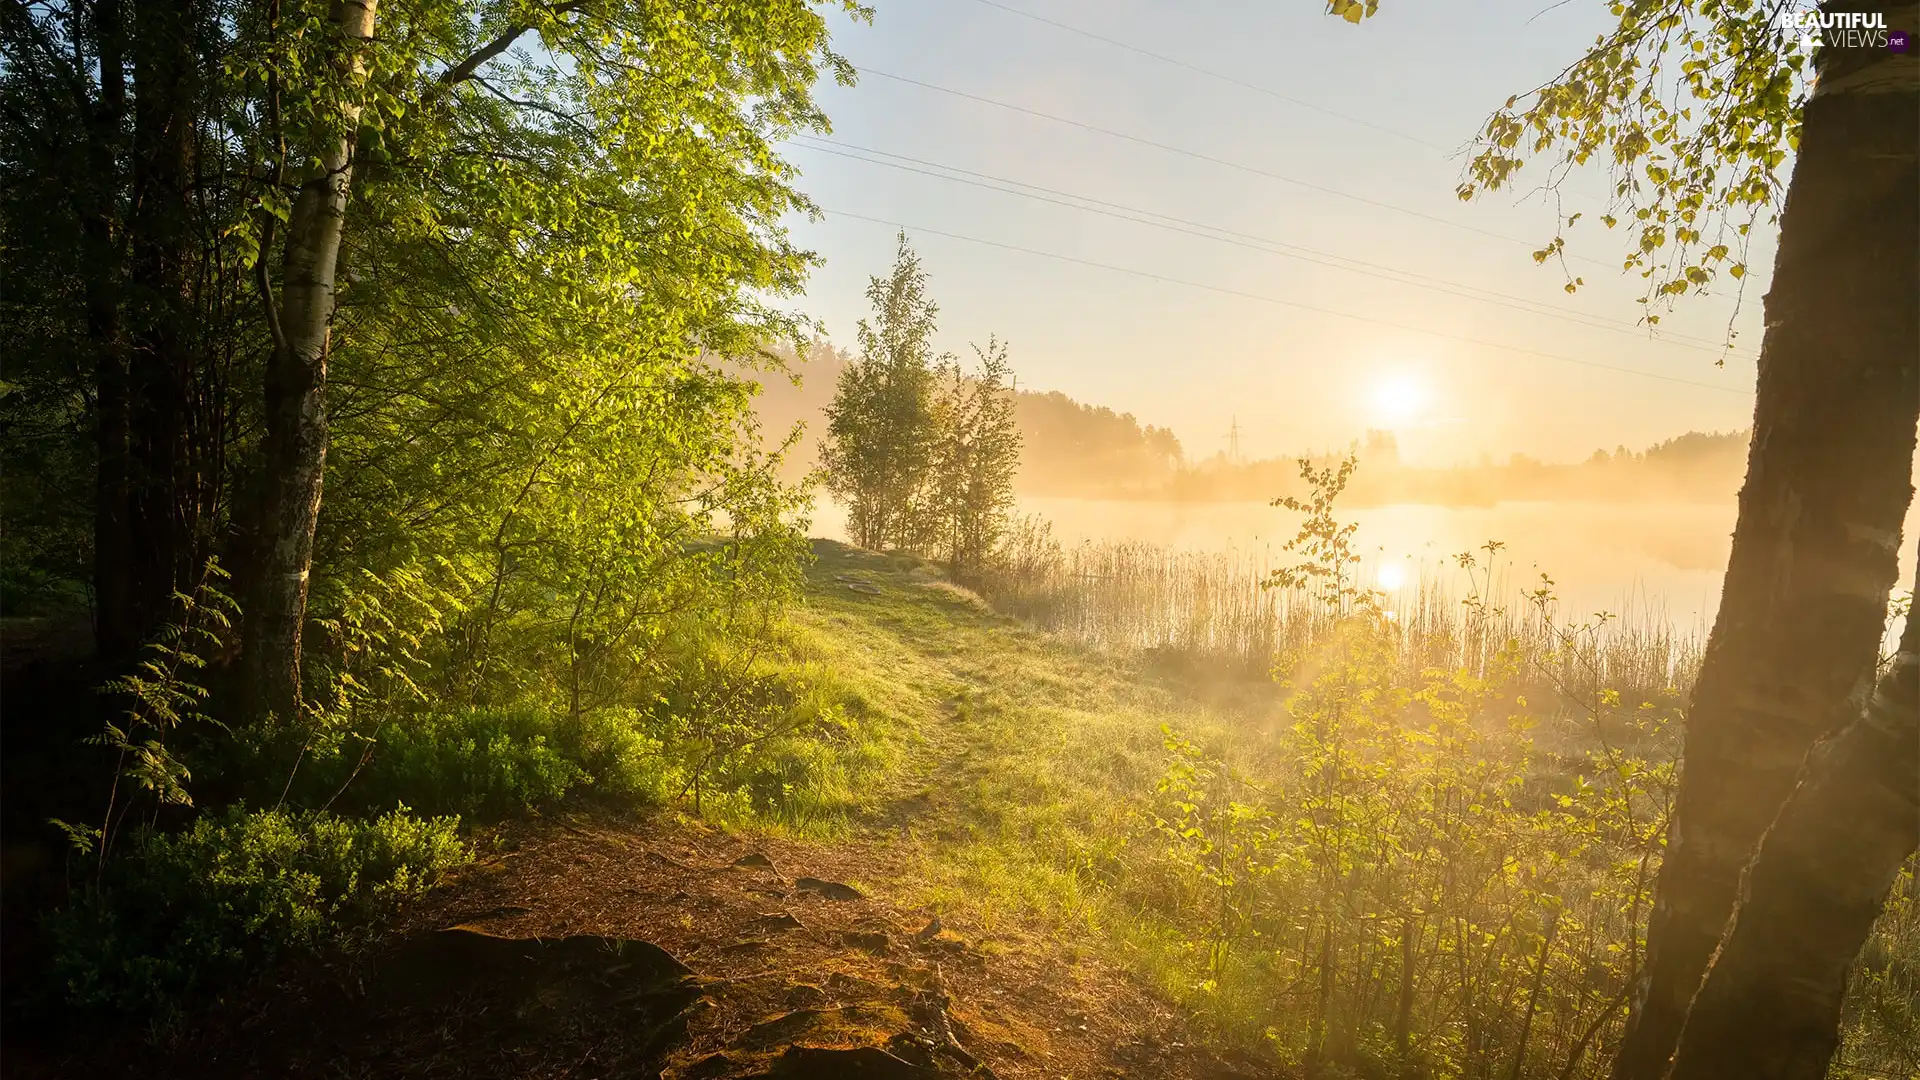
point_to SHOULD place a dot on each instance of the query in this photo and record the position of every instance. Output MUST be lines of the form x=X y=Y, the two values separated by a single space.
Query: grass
x=1034 y=754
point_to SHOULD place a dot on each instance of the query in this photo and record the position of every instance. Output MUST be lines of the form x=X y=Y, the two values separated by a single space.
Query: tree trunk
x=296 y=411
x=1815 y=549
x=1770 y=1007
x=1319 y=1036
x=144 y=435
x=116 y=630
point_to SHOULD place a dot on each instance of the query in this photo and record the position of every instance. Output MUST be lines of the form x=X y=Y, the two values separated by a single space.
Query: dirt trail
x=664 y=948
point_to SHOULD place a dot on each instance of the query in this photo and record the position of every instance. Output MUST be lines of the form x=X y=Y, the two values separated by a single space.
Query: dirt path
x=664 y=948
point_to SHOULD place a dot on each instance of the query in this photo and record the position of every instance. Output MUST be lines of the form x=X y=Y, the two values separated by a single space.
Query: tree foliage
x=1691 y=106
x=976 y=454
x=880 y=426
x=922 y=452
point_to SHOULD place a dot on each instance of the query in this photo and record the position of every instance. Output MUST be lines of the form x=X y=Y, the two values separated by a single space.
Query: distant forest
x=1073 y=449
x=1695 y=467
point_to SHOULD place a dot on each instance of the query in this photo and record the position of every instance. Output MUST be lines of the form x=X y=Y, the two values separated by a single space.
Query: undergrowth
x=180 y=914
x=314 y=827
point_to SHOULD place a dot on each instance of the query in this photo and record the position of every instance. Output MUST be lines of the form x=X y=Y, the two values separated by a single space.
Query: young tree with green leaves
x=881 y=431
x=1695 y=107
x=976 y=454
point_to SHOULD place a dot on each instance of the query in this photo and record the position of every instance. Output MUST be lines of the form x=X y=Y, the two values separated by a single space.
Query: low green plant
x=1404 y=878
x=156 y=699
x=763 y=731
x=479 y=763
x=178 y=916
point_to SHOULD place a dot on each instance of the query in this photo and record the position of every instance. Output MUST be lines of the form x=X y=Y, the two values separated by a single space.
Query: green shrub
x=476 y=762
x=492 y=763
x=178 y=915
x=623 y=758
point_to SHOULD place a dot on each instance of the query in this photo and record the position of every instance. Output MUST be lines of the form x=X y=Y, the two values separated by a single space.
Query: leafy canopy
x=1691 y=106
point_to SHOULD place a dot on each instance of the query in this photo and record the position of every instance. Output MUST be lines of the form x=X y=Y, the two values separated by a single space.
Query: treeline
x=921 y=451
x=374 y=394
x=1079 y=449
x=1073 y=449
x=1695 y=467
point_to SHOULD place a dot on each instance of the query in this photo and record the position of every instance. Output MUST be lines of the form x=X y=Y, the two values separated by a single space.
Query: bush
x=621 y=756
x=475 y=762
x=178 y=915
x=492 y=763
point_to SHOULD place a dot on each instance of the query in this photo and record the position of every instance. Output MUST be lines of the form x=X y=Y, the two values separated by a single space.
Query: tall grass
x=1221 y=606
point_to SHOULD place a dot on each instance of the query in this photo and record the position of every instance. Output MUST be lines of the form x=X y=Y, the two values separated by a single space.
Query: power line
x=1151 y=276
x=1211 y=159
x=1170 y=223
x=1211 y=74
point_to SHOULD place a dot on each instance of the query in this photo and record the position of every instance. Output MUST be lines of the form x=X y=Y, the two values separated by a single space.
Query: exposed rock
x=868 y=941
x=707 y=1068
x=482 y=994
x=848 y=986
x=858 y=585
x=805 y=996
x=831 y=890
x=862 y=1063
x=505 y=912
x=780 y=1029
x=464 y=957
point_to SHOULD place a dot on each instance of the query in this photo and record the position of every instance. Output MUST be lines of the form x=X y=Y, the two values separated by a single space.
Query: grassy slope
x=1026 y=763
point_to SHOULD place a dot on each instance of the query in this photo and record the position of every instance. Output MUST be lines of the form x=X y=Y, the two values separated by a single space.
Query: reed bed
x=1131 y=596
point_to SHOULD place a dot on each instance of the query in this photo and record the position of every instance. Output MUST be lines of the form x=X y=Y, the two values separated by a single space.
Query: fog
x=1663 y=560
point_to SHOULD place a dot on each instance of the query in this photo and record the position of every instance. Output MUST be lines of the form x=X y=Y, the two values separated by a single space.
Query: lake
x=1660 y=559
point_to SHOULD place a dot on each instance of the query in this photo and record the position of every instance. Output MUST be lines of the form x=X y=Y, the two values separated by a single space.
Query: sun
x=1391 y=576
x=1399 y=399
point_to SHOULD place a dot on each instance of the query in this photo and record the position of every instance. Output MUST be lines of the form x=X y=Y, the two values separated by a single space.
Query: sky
x=1339 y=142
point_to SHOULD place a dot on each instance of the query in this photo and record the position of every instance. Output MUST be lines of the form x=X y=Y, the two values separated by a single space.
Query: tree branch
x=465 y=69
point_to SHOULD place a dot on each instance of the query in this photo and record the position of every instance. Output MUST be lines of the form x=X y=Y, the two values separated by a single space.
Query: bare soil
x=603 y=946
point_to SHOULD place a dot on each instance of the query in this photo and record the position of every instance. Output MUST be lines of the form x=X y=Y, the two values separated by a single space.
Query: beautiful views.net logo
x=1810 y=28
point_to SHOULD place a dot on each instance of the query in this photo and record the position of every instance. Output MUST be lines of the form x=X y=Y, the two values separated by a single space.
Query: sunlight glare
x=1399 y=399
x=1391 y=577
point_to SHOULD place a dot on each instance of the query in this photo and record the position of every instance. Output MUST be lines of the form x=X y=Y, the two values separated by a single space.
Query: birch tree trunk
x=1770 y=1006
x=296 y=410
x=1814 y=551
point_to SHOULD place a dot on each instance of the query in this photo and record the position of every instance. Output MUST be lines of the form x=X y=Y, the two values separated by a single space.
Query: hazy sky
x=1195 y=359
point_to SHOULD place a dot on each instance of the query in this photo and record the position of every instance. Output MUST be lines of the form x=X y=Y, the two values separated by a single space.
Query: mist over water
x=1660 y=560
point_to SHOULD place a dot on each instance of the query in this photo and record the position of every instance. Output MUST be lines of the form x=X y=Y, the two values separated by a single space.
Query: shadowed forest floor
x=944 y=925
